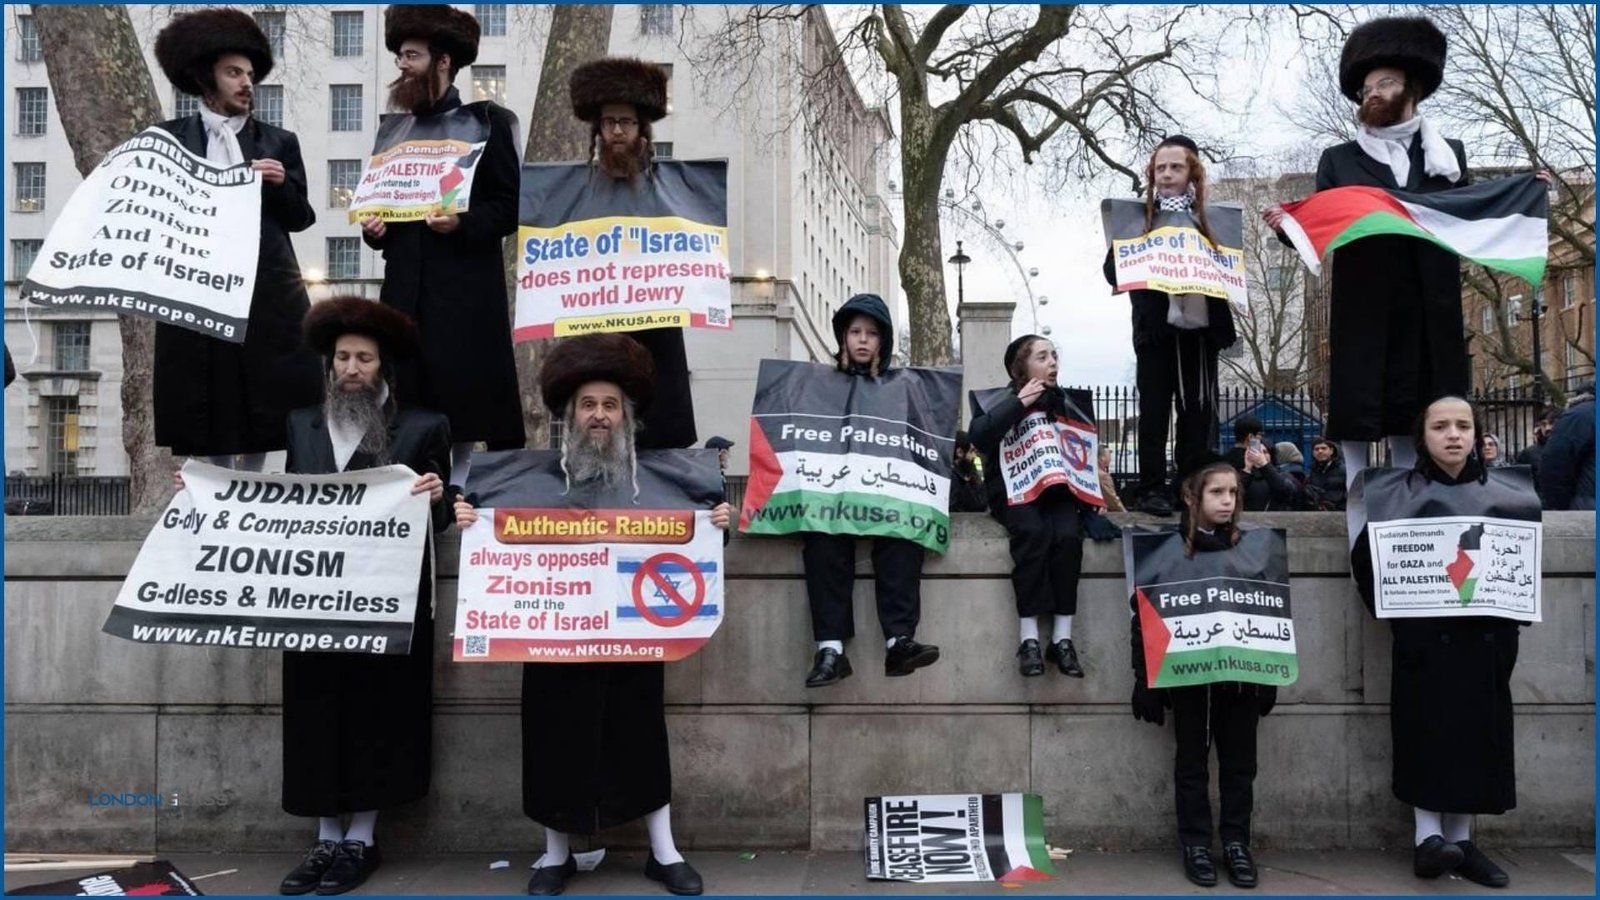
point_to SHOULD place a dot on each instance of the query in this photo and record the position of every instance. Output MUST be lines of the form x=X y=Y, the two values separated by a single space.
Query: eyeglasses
x=409 y=56
x=607 y=123
x=1384 y=84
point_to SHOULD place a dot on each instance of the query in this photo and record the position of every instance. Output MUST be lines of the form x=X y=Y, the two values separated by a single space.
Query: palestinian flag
x=1500 y=224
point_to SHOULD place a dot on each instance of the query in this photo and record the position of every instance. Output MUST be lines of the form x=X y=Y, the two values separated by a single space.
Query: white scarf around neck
x=1391 y=145
x=222 y=141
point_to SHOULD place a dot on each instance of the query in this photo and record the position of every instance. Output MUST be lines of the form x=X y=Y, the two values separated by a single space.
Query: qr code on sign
x=717 y=316
x=475 y=645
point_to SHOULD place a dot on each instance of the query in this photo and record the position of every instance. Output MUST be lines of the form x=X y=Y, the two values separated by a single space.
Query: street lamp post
x=960 y=261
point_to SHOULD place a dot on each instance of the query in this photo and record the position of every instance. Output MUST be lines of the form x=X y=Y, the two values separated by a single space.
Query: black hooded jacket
x=873 y=307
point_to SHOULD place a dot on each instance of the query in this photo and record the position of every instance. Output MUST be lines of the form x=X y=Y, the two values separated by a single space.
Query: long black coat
x=1394 y=325
x=358 y=728
x=213 y=397
x=454 y=286
x=1450 y=714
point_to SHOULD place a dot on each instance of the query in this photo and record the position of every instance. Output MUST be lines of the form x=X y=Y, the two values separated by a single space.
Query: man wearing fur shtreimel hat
x=446 y=271
x=214 y=399
x=622 y=99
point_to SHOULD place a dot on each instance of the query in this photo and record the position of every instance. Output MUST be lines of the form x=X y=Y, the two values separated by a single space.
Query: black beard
x=360 y=409
x=1380 y=113
x=412 y=94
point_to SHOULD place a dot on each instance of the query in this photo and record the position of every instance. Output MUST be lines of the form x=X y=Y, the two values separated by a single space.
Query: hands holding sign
x=271 y=170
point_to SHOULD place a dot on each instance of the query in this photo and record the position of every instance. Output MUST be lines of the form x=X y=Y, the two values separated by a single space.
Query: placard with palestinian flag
x=847 y=454
x=1171 y=255
x=422 y=166
x=1501 y=224
x=596 y=253
x=942 y=838
x=1218 y=616
x=1453 y=550
x=1044 y=450
x=587 y=572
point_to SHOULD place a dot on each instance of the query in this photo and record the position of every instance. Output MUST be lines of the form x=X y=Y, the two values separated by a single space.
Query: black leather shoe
x=351 y=865
x=1197 y=866
x=1477 y=867
x=1030 y=661
x=679 y=878
x=306 y=876
x=1154 y=503
x=548 y=881
x=1241 y=868
x=907 y=656
x=830 y=667
x=1436 y=856
x=1065 y=656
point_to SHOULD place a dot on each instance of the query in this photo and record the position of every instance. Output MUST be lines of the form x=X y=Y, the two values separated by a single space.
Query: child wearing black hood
x=865 y=336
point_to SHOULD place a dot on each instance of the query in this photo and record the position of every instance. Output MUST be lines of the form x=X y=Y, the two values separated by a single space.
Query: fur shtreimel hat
x=618 y=79
x=1413 y=45
x=577 y=361
x=447 y=29
x=204 y=35
x=335 y=317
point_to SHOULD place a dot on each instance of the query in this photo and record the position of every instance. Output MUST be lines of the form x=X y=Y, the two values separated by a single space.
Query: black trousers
x=830 y=565
x=1181 y=367
x=1224 y=716
x=1046 y=554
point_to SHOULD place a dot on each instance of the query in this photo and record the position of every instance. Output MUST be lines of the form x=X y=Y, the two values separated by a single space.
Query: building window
x=184 y=104
x=23 y=253
x=489 y=83
x=1488 y=320
x=343 y=174
x=662 y=149
x=491 y=18
x=1569 y=292
x=557 y=428
x=1514 y=382
x=344 y=257
x=344 y=105
x=72 y=346
x=29 y=48
x=1514 y=310
x=1574 y=358
x=29 y=177
x=269 y=104
x=33 y=110
x=272 y=24
x=349 y=33
x=655 y=18
x=61 y=435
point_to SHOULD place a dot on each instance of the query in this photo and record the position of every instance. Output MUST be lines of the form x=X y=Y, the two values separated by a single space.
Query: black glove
x=1148 y=704
x=1097 y=527
x=1266 y=698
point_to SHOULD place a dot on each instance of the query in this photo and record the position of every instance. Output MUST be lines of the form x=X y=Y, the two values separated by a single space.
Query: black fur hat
x=577 y=361
x=331 y=319
x=616 y=79
x=445 y=28
x=1413 y=45
x=204 y=35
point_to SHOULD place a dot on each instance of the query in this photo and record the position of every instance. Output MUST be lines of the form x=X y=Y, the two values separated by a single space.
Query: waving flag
x=1500 y=224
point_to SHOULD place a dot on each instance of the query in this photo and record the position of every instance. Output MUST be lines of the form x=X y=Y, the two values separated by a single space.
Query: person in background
x=1325 y=484
x=1262 y=486
x=722 y=445
x=1493 y=457
x=1108 y=484
x=1530 y=455
x=1566 y=468
x=1290 y=461
x=966 y=487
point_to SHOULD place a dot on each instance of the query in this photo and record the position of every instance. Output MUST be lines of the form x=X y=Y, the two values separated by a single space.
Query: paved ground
x=789 y=873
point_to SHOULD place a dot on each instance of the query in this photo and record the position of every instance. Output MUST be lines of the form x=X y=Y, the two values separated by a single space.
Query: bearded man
x=594 y=735
x=221 y=401
x=1394 y=324
x=621 y=99
x=358 y=728
x=446 y=272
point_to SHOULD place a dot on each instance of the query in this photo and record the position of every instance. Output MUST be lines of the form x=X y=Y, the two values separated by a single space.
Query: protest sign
x=1171 y=255
x=844 y=454
x=157 y=232
x=422 y=166
x=149 y=879
x=939 y=838
x=280 y=562
x=1453 y=550
x=1044 y=450
x=1218 y=616
x=596 y=253
x=589 y=573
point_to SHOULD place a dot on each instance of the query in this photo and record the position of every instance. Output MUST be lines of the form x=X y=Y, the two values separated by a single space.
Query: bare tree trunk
x=104 y=95
x=578 y=34
x=922 y=268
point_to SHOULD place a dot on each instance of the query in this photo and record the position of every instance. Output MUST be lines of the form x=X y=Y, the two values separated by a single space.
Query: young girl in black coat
x=1222 y=713
x=1046 y=542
